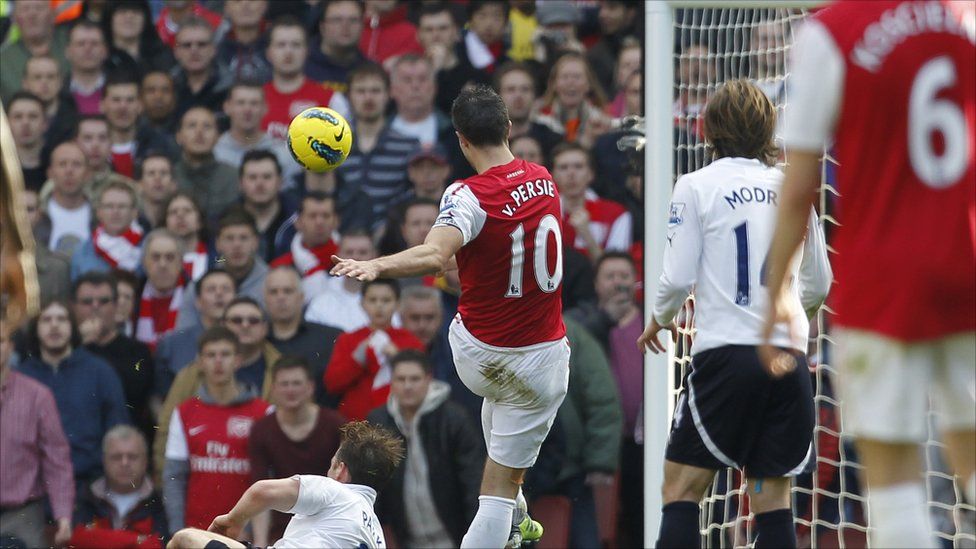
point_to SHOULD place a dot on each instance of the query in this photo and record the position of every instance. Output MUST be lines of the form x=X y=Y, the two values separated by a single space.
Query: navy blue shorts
x=733 y=414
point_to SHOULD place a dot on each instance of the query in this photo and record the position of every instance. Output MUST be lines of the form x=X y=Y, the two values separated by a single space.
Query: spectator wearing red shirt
x=387 y=33
x=484 y=41
x=300 y=438
x=177 y=12
x=591 y=224
x=122 y=508
x=36 y=457
x=289 y=92
x=359 y=371
x=207 y=467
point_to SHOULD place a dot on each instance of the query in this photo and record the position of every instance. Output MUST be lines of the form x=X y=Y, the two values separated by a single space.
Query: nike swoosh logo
x=341 y=133
x=196 y=430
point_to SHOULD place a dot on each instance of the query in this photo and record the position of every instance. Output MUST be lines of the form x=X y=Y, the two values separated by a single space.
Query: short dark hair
x=389 y=282
x=257 y=155
x=287 y=20
x=610 y=255
x=514 y=66
x=118 y=78
x=24 y=95
x=122 y=276
x=97 y=117
x=84 y=23
x=152 y=153
x=234 y=217
x=246 y=300
x=370 y=452
x=474 y=6
x=436 y=8
x=248 y=83
x=566 y=147
x=179 y=125
x=412 y=355
x=218 y=333
x=198 y=285
x=369 y=70
x=95 y=278
x=292 y=362
x=739 y=121
x=316 y=196
x=34 y=340
x=480 y=115
x=330 y=3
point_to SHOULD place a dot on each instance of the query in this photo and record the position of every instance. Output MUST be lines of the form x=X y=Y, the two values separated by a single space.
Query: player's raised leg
x=194 y=538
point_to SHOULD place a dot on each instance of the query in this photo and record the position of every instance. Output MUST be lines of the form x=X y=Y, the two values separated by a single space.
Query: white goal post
x=723 y=29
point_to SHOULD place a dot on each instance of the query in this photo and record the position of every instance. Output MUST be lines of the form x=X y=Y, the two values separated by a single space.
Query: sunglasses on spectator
x=92 y=300
x=241 y=320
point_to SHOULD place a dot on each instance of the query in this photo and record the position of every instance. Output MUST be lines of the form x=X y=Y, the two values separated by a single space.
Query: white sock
x=899 y=516
x=521 y=508
x=970 y=490
x=491 y=524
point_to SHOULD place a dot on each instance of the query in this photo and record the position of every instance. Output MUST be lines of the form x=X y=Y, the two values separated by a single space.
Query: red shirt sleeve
x=343 y=371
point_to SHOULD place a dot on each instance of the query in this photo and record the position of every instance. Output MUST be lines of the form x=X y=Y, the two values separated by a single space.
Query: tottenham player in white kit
x=332 y=511
x=734 y=414
x=508 y=340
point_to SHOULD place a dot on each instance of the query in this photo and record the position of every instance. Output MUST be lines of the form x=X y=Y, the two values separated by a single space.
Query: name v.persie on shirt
x=527 y=191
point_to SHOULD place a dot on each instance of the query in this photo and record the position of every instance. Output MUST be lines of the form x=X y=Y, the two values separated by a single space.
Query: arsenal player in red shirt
x=508 y=339
x=893 y=85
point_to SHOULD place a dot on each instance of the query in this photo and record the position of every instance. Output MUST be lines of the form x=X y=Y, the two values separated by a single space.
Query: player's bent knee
x=501 y=480
x=684 y=482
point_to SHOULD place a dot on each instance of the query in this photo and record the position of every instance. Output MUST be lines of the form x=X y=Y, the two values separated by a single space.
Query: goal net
x=710 y=47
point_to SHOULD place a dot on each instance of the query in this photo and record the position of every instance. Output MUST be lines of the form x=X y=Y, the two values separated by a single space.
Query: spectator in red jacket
x=359 y=372
x=387 y=33
x=121 y=509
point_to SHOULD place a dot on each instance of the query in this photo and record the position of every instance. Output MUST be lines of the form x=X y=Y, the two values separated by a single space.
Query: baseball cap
x=554 y=12
x=433 y=152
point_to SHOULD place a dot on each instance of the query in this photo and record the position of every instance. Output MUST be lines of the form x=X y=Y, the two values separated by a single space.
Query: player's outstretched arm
x=277 y=494
x=433 y=256
x=799 y=190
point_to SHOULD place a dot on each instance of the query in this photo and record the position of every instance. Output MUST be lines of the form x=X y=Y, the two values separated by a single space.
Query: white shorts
x=523 y=388
x=886 y=385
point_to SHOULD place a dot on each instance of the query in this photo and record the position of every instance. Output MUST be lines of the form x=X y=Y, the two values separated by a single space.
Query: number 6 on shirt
x=547 y=282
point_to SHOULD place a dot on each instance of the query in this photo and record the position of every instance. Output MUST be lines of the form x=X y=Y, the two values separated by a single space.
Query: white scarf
x=120 y=251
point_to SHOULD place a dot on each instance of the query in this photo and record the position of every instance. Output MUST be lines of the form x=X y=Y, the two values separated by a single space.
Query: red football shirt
x=511 y=264
x=282 y=107
x=216 y=443
x=894 y=85
x=610 y=224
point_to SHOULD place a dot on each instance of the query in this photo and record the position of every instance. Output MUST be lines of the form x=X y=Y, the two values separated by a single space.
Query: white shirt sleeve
x=315 y=493
x=815 y=272
x=340 y=104
x=681 y=253
x=816 y=85
x=620 y=235
x=176 y=445
x=461 y=209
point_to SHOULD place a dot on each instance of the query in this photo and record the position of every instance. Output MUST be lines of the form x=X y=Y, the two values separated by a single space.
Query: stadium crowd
x=190 y=340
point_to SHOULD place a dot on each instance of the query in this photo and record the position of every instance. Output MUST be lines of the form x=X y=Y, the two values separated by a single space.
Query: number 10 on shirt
x=547 y=282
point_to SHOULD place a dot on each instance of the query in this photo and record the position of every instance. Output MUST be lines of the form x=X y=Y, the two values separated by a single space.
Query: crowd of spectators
x=190 y=340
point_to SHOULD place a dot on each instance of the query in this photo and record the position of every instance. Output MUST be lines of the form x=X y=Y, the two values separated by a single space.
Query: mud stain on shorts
x=504 y=379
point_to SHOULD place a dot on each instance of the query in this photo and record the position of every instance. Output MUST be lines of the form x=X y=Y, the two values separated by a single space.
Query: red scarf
x=310 y=261
x=120 y=251
x=158 y=312
x=195 y=262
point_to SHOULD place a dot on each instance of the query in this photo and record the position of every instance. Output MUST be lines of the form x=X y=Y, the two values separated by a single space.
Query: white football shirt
x=329 y=513
x=720 y=227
